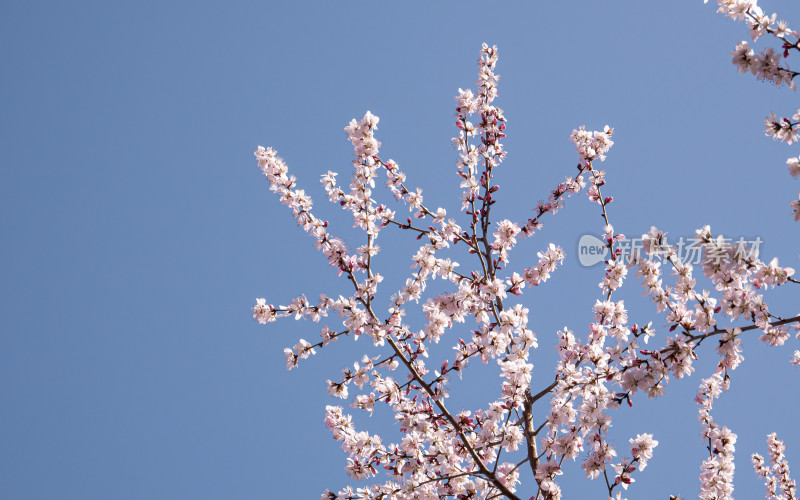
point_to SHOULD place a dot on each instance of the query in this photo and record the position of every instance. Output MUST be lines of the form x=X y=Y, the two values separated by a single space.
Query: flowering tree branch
x=480 y=453
x=766 y=66
x=776 y=476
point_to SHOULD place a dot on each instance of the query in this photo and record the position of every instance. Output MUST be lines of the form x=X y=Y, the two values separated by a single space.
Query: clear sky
x=137 y=229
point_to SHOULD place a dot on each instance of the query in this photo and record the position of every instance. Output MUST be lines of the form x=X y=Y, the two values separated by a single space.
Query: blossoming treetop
x=516 y=444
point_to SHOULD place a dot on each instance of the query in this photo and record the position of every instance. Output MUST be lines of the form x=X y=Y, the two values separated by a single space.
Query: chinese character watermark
x=593 y=250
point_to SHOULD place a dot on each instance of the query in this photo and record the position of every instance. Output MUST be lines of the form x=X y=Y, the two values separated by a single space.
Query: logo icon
x=591 y=250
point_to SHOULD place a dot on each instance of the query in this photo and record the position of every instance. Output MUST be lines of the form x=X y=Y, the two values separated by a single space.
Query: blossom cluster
x=737 y=277
x=716 y=476
x=779 y=483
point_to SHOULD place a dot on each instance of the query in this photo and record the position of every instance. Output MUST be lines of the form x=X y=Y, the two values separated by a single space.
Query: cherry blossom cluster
x=641 y=451
x=592 y=145
x=489 y=128
x=716 y=476
x=767 y=65
x=780 y=485
x=529 y=428
x=737 y=275
x=783 y=129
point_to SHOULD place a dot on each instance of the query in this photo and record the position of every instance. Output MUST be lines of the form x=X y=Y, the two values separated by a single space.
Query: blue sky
x=138 y=230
